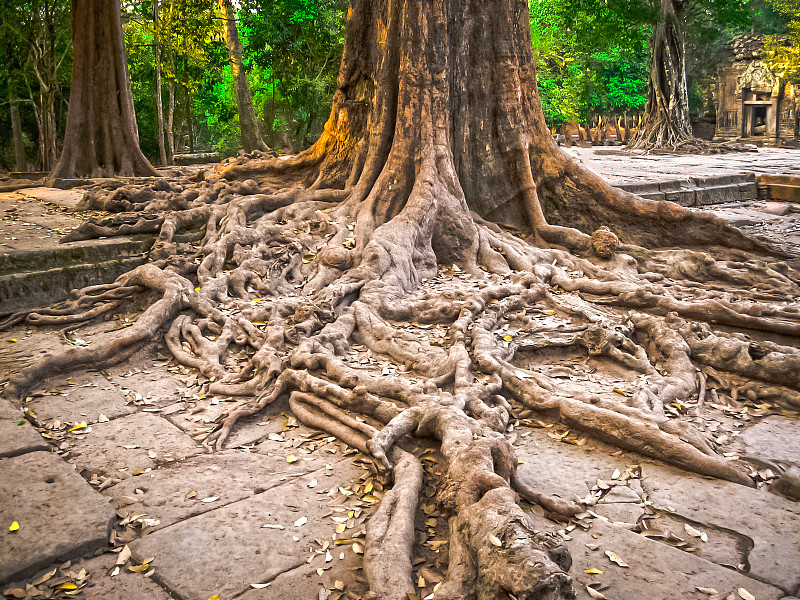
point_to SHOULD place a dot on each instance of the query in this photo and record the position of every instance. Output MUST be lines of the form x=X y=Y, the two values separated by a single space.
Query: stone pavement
x=619 y=167
x=113 y=480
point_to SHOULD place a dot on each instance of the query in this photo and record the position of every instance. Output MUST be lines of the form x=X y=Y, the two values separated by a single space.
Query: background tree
x=783 y=52
x=251 y=137
x=101 y=136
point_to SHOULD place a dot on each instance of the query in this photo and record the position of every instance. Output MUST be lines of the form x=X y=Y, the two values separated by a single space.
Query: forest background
x=592 y=59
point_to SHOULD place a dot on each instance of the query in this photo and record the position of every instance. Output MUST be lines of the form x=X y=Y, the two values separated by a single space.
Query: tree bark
x=250 y=136
x=101 y=138
x=159 y=104
x=666 y=122
x=188 y=115
x=20 y=162
x=171 y=113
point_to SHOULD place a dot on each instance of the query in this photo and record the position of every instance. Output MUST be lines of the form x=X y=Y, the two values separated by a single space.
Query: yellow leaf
x=549 y=311
x=67 y=585
x=291 y=458
x=620 y=392
x=11 y=340
x=358 y=549
x=214 y=597
x=508 y=338
x=197 y=289
x=259 y=322
x=81 y=425
x=368 y=488
x=593 y=571
x=14 y=526
x=371 y=499
x=340 y=528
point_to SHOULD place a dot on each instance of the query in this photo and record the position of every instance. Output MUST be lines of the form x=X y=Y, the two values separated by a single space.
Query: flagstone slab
x=177 y=491
x=60 y=516
x=17 y=436
x=122 y=447
x=223 y=551
x=774 y=439
x=655 y=571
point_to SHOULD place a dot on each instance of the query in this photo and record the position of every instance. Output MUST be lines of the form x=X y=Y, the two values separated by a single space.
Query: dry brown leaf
x=615 y=558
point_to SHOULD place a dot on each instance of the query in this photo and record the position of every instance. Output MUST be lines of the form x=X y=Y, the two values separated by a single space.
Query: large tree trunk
x=20 y=162
x=251 y=138
x=159 y=104
x=666 y=122
x=101 y=137
x=391 y=196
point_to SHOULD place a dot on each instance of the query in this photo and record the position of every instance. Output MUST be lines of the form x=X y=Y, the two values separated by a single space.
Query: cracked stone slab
x=103 y=449
x=655 y=571
x=60 y=516
x=229 y=476
x=305 y=582
x=83 y=396
x=125 y=586
x=225 y=550
x=774 y=439
x=771 y=522
x=17 y=436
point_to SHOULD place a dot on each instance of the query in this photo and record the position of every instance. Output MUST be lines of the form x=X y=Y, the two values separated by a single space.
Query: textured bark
x=101 y=137
x=250 y=136
x=302 y=259
x=162 y=151
x=20 y=162
x=666 y=120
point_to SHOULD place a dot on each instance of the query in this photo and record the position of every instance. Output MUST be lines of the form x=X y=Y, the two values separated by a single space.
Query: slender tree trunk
x=251 y=138
x=159 y=105
x=20 y=162
x=666 y=121
x=188 y=110
x=171 y=113
x=102 y=138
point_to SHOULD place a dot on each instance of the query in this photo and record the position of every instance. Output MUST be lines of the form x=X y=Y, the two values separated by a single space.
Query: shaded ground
x=116 y=483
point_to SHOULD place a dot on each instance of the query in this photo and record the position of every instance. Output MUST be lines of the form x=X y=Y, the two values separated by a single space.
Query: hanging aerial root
x=390 y=532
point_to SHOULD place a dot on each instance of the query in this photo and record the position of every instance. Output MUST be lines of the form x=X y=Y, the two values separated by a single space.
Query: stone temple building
x=753 y=104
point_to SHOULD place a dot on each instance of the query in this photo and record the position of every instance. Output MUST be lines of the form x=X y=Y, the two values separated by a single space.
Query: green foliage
x=295 y=47
x=591 y=57
x=783 y=52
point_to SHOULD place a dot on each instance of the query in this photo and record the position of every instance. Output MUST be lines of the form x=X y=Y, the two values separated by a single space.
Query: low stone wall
x=698 y=191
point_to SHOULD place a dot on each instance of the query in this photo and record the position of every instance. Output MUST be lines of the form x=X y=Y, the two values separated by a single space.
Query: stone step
x=780 y=187
x=60 y=516
x=697 y=191
x=36 y=278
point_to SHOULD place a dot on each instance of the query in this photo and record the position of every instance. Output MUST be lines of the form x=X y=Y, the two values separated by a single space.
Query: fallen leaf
x=11 y=340
x=15 y=593
x=191 y=494
x=102 y=418
x=151 y=453
x=615 y=558
x=67 y=585
x=301 y=521
x=258 y=586
x=44 y=577
x=291 y=458
x=691 y=530
x=210 y=499
x=593 y=571
x=615 y=474
x=81 y=425
x=745 y=594
x=593 y=592
x=312 y=483
x=124 y=555
x=14 y=526
x=705 y=590
x=549 y=311
x=358 y=549
x=507 y=338
x=268 y=526
x=495 y=540
x=340 y=528
x=214 y=597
